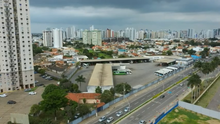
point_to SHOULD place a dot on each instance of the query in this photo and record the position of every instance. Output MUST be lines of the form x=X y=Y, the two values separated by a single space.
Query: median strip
x=154 y=97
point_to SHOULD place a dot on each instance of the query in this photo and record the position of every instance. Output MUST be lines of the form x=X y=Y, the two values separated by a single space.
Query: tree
x=98 y=90
x=191 y=52
x=50 y=88
x=112 y=90
x=184 y=50
x=80 y=79
x=84 y=100
x=35 y=109
x=54 y=100
x=122 y=56
x=106 y=96
x=169 y=52
x=83 y=109
x=41 y=71
x=194 y=80
x=119 y=88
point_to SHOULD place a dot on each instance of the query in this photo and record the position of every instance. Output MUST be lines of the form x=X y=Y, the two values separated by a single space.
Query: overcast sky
x=119 y=14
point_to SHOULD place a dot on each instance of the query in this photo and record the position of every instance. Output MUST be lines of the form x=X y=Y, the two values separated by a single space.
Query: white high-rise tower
x=16 y=61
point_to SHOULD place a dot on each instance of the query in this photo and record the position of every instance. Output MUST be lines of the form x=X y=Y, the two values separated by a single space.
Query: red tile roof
x=77 y=96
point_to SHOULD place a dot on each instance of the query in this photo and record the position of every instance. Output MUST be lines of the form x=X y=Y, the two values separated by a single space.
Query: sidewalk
x=122 y=102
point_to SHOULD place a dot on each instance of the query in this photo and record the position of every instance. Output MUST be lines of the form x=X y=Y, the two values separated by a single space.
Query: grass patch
x=184 y=116
x=34 y=88
x=207 y=97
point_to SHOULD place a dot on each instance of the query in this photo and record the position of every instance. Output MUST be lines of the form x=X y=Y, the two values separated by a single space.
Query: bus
x=162 y=72
x=122 y=72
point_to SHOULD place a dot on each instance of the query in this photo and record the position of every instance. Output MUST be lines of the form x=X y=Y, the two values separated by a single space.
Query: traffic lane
x=139 y=100
x=151 y=109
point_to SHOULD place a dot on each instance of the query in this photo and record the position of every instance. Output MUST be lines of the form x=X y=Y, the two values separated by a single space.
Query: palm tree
x=80 y=79
x=194 y=80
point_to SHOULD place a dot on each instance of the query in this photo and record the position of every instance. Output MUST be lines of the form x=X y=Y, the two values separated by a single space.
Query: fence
x=125 y=96
x=200 y=110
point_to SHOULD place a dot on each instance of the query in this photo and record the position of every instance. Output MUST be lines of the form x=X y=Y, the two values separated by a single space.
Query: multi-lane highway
x=144 y=97
x=148 y=111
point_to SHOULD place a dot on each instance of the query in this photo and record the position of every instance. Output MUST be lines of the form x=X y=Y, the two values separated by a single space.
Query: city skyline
x=155 y=15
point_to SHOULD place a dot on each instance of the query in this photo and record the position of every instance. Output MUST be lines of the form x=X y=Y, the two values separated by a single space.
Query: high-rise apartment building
x=47 y=38
x=57 y=38
x=92 y=37
x=16 y=61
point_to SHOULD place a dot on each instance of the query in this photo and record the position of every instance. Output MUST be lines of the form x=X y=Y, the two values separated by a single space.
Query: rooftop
x=101 y=75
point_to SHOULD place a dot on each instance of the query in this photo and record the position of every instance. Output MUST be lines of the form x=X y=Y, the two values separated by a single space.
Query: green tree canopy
x=119 y=88
x=98 y=90
x=54 y=100
x=191 y=52
x=169 y=52
x=50 y=88
x=106 y=96
x=35 y=109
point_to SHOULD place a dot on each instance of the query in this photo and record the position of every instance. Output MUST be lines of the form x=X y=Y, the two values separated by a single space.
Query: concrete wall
x=19 y=118
x=199 y=109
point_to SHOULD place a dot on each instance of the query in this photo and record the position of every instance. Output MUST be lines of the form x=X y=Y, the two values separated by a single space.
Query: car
x=103 y=118
x=3 y=95
x=181 y=84
x=44 y=76
x=32 y=93
x=110 y=119
x=142 y=122
x=77 y=115
x=126 y=109
x=162 y=96
x=118 y=114
x=37 y=85
x=27 y=90
x=36 y=82
x=11 y=102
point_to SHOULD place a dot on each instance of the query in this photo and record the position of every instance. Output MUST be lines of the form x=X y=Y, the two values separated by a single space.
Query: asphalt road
x=144 y=97
x=153 y=108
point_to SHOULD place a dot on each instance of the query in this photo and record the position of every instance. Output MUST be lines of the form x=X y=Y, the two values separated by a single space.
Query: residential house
x=91 y=98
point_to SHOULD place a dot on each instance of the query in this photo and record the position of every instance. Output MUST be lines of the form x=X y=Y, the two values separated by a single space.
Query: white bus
x=162 y=72
x=172 y=68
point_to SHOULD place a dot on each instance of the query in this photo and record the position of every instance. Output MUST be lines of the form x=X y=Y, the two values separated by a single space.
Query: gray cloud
x=118 y=14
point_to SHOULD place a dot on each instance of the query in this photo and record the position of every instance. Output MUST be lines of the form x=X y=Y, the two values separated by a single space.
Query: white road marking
x=148 y=107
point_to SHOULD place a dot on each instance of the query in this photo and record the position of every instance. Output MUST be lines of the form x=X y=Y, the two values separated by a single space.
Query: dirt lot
x=24 y=101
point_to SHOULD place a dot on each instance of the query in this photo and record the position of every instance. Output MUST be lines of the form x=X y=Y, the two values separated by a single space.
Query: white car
x=110 y=119
x=32 y=93
x=103 y=118
x=118 y=114
x=3 y=95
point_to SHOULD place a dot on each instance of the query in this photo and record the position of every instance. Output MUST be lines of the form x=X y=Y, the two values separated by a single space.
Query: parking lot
x=86 y=72
x=142 y=74
x=24 y=101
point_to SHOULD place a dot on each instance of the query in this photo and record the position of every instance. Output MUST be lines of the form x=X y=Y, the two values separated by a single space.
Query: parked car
x=110 y=119
x=103 y=118
x=118 y=114
x=11 y=102
x=126 y=109
x=142 y=122
x=27 y=90
x=36 y=82
x=44 y=76
x=37 y=85
x=77 y=115
x=162 y=96
x=32 y=93
x=3 y=95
